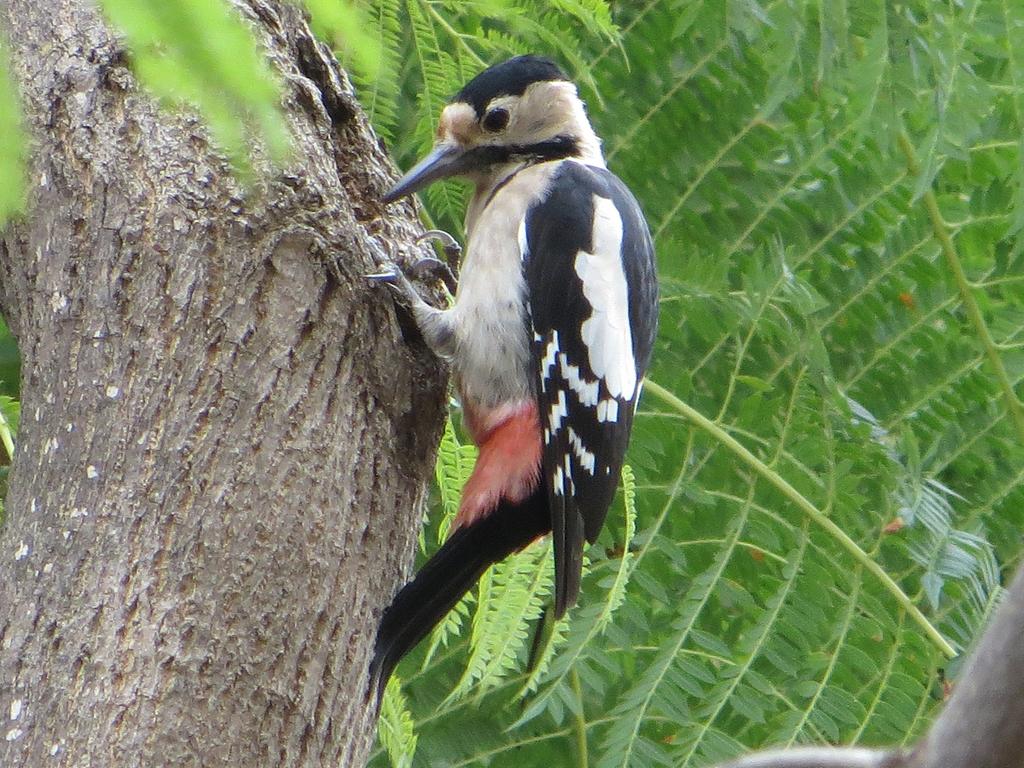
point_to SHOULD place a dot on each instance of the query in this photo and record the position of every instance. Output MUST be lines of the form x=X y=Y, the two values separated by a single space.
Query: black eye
x=496 y=119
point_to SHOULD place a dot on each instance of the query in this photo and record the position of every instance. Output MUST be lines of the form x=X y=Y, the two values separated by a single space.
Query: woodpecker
x=549 y=336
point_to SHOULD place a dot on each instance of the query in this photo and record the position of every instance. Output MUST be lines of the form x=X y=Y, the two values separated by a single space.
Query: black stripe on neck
x=552 y=149
x=499 y=185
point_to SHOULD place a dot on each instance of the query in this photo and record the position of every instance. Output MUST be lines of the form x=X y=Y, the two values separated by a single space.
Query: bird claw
x=388 y=277
x=396 y=280
x=434 y=269
x=451 y=246
x=427 y=268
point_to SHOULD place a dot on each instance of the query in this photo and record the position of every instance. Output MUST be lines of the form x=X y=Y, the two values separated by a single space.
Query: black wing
x=592 y=291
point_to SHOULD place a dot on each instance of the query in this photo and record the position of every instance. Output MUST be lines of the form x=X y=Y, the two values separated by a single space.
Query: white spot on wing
x=558 y=412
x=568 y=474
x=550 y=353
x=521 y=237
x=585 y=389
x=606 y=332
x=586 y=458
x=608 y=410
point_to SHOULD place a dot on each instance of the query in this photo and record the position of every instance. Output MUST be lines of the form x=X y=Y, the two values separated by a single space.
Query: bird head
x=521 y=111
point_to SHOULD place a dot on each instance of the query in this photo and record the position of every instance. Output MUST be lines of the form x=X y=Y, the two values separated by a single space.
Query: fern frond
x=452 y=469
x=395 y=726
x=380 y=92
x=837 y=366
x=617 y=589
x=511 y=597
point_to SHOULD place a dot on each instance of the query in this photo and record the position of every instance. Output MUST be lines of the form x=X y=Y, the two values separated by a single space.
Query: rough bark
x=225 y=438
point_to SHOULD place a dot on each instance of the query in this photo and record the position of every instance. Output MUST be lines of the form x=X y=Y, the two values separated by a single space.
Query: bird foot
x=430 y=268
x=425 y=269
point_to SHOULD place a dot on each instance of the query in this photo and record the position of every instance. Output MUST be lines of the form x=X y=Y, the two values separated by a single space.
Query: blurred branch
x=821 y=757
x=982 y=726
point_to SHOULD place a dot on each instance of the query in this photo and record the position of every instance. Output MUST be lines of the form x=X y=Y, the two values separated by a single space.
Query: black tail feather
x=448 y=575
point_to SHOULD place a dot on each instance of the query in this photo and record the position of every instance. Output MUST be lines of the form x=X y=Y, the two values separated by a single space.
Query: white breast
x=492 y=361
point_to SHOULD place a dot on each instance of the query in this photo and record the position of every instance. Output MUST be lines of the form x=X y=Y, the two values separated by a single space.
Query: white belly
x=492 y=361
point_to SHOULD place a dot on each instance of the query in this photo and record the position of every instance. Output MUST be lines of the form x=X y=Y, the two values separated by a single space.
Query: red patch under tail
x=508 y=466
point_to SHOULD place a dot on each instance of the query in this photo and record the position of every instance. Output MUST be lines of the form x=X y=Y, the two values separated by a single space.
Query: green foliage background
x=825 y=489
x=835 y=191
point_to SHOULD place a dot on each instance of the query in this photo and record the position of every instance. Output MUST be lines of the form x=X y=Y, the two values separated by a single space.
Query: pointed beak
x=447 y=159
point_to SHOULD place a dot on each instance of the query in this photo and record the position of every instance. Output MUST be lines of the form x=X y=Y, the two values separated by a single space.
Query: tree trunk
x=224 y=441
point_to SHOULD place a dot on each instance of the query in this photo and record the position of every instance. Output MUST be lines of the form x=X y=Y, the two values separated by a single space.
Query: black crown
x=510 y=78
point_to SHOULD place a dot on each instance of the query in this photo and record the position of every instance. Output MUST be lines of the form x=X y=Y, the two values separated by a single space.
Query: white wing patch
x=606 y=332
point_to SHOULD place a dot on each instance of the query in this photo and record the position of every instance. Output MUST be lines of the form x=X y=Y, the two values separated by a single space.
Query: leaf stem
x=583 y=759
x=941 y=232
x=815 y=514
x=459 y=37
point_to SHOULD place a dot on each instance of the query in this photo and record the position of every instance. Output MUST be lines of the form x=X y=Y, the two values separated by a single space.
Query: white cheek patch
x=606 y=332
